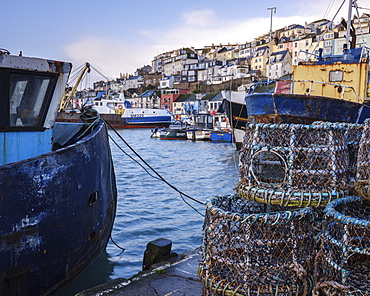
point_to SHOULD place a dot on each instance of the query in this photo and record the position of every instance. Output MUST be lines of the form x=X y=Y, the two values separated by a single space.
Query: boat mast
x=272 y=10
x=349 y=22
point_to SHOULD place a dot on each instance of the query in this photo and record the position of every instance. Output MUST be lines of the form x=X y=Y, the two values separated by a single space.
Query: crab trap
x=344 y=264
x=298 y=165
x=362 y=184
x=251 y=248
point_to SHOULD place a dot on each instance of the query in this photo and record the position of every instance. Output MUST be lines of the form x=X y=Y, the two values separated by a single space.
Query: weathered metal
x=303 y=109
x=56 y=212
x=331 y=89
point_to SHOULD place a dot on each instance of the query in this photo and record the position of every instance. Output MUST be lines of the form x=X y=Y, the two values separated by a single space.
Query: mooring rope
x=158 y=176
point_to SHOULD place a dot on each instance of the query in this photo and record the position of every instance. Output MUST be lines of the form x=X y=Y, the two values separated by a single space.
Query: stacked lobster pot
x=295 y=165
x=251 y=248
x=264 y=240
x=343 y=264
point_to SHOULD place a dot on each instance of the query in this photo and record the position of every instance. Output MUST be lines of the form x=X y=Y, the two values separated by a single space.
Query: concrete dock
x=177 y=278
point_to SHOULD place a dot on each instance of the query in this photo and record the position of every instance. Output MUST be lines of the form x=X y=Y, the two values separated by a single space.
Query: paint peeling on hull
x=52 y=229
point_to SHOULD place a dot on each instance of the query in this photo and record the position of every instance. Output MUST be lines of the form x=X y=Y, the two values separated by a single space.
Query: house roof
x=166 y=77
x=262 y=48
x=133 y=77
x=185 y=97
x=279 y=56
x=217 y=97
x=147 y=93
x=209 y=96
x=293 y=27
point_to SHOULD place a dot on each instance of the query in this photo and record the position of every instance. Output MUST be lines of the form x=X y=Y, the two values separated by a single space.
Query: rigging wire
x=133 y=159
x=158 y=176
x=322 y=35
x=329 y=7
x=100 y=73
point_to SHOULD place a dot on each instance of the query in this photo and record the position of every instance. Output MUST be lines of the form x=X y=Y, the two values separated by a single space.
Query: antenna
x=272 y=10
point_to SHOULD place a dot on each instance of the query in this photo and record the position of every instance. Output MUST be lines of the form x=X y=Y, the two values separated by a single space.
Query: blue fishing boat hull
x=221 y=136
x=57 y=212
x=146 y=120
x=116 y=121
x=305 y=109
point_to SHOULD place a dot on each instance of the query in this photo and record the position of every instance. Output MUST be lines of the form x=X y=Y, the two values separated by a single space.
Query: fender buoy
x=120 y=106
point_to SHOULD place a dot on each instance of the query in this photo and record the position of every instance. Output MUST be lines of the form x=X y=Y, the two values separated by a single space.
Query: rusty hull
x=57 y=212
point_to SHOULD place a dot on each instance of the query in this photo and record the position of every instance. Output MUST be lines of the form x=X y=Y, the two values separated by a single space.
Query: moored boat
x=58 y=191
x=113 y=108
x=332 y=88
x=198 y=134
x=221 y=136
x=149 y=118
x=173 y=134
x=233 y=105
x=120 y=115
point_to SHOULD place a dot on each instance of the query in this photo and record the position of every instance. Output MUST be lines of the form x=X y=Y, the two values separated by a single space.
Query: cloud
x=202 y=18
x=224 y=31
x=110 y=57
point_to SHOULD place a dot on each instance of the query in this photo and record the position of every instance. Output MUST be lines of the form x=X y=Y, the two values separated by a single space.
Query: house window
x=327 y=51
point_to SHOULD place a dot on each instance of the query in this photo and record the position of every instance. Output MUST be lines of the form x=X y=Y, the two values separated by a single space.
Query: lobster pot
x=345 y=261
x=363 y=165
x=250 y=248
x=354 y=134
x=294 y=165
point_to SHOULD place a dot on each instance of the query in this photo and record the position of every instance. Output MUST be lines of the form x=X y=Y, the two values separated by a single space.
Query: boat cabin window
x=25 y=97
x=335 y=76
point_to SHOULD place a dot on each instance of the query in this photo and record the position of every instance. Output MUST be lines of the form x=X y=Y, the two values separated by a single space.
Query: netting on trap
x=251 y=248
x=362 y=185
x=298 y=165
x=345 y=247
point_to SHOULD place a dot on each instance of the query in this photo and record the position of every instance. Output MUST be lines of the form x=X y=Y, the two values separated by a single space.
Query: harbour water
x=148 y=208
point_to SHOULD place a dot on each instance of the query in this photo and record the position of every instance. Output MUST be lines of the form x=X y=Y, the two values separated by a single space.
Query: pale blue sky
x=119 y=36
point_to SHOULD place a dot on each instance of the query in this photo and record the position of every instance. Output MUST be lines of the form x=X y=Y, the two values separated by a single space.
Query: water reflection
x=98 y=273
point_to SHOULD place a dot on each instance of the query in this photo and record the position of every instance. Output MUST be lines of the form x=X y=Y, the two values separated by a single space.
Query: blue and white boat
x=57 y=185
x=120 y=114
x=143 y=117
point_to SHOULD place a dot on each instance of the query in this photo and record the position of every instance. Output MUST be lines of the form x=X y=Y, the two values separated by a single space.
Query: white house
x=279 y=64
x=133 y=82
x=167 y=82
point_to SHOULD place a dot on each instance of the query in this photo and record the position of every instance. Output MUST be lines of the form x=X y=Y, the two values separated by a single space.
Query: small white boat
x=199 y=134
